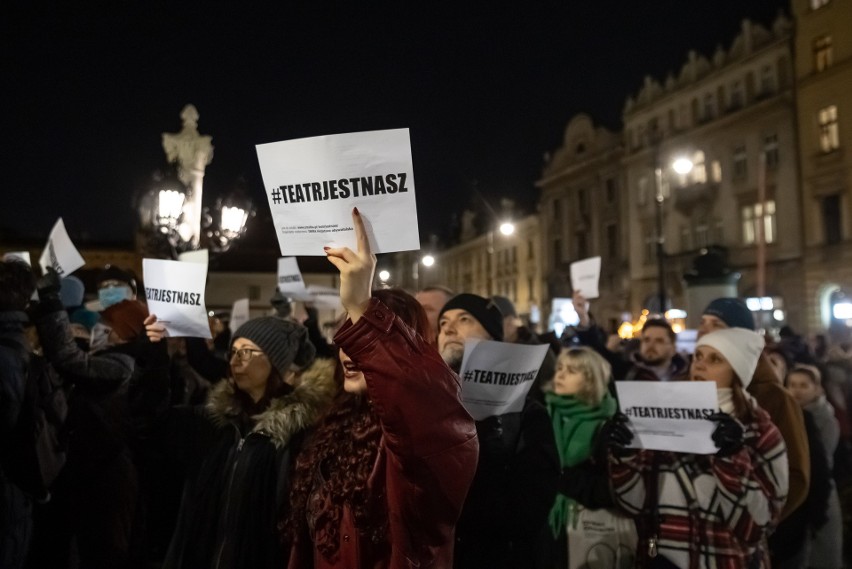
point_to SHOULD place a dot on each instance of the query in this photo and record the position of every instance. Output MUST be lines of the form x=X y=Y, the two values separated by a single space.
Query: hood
x=286 y=415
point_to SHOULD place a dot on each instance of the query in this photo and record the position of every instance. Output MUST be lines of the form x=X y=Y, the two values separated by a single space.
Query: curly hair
x=343 y=450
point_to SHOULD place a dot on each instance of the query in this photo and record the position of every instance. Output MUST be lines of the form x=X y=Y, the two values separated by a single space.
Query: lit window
x=770 y=150
x=702 y=235
x=716 y=169
x=699 y=170
x=817 y=4
x=751 y=216
x=740 y=162
x=823 y=53
x=829 y=136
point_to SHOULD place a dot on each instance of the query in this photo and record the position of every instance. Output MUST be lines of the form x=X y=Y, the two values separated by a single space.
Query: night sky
x=89 y=88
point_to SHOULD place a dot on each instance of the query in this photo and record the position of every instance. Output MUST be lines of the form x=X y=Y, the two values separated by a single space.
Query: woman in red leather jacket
x=385 y=475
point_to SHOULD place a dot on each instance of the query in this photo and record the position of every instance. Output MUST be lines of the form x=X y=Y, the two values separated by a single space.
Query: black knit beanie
x=484 y=310
x=284 y=342
x=732 y=311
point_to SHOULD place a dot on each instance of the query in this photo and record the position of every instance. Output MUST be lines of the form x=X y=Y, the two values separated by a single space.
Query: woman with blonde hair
x=578 y=406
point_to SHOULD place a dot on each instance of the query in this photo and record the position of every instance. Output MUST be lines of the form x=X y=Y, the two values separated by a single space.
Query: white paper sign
x=18 y=255
x=670 y=415
x=200 y=256
x=324 y=296
x=312 y=184
x=59 y=252
x=290 y=281
x=175 y=293
x=585 y=276
x=496 y=376
x=239 y=314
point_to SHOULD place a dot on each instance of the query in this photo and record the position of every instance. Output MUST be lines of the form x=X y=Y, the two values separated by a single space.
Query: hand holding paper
x=356 y=270
x=154 y=330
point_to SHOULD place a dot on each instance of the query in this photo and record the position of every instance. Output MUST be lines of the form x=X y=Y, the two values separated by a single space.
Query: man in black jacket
x=518 y=470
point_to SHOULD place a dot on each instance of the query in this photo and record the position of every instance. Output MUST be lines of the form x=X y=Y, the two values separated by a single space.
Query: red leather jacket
x=428 y=452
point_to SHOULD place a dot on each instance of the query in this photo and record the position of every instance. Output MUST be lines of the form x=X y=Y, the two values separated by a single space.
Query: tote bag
x=601 y=539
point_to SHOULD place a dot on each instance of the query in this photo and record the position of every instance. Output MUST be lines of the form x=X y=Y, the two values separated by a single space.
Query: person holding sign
x=238 y=450
x=579 y=406
x=708 y=511
x=383 y=480
x=518 y=468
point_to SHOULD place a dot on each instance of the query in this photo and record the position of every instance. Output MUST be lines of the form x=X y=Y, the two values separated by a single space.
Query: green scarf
x=574 y=427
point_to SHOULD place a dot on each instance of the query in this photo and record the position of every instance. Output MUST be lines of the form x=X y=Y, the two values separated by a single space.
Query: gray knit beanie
x=284 y=342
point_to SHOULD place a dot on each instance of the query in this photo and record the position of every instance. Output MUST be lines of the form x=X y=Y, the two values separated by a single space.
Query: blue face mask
x=113 y=295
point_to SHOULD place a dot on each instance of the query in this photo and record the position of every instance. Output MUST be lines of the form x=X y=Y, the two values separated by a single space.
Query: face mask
x=100 y=337
x=113 y=295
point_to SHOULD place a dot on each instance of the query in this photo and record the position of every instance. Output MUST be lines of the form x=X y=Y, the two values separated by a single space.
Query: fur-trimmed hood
x=285 y=415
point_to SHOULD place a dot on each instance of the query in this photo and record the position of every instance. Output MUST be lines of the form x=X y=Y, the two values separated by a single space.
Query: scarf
x=574 y=427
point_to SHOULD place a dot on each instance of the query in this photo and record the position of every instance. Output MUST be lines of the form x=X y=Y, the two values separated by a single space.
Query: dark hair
x=345 y=443
x=17 y=284
x=660 y=323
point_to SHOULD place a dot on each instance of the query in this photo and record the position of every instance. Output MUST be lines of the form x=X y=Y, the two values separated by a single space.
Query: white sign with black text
x=496 y=376
x=314 y=183
x=670 y=415
x=290 y=281
x=175 y=293
x=59 y=252
x=239 y=314
x=585 y=276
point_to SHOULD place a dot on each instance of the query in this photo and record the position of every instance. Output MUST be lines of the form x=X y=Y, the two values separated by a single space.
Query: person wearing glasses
x=238 y=449
x=383 y=480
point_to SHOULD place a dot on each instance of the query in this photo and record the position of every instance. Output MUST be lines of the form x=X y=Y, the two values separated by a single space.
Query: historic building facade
x=732 y=116
x=583 y=210
x=823 y=68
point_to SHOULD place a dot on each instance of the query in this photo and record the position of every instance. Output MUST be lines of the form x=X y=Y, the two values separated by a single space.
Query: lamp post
x=682 y=166
x=173 y=206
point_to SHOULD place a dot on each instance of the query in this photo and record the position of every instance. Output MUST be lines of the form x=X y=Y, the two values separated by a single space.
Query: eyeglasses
x=243 y=354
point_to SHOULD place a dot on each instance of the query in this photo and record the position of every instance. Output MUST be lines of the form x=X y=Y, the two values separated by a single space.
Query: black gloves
x=614 y=435
x=728 y=435
x=49 y=284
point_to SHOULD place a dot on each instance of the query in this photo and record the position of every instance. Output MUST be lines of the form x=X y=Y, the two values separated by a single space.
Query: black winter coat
x=512 y=492
x=237 y=473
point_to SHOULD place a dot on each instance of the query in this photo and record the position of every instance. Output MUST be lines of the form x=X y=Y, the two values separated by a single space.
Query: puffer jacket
x=427 y=454
x=237 y=472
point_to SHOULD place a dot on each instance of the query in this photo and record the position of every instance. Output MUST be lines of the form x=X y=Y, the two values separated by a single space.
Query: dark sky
x=88 y=87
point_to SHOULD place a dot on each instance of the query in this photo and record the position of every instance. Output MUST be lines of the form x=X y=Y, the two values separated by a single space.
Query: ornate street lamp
x=172 y=207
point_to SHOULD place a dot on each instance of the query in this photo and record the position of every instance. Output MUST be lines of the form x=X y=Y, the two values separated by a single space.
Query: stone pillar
x=192 y=152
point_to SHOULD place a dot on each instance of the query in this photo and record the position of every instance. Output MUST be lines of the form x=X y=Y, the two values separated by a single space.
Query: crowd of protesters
x=271 y=447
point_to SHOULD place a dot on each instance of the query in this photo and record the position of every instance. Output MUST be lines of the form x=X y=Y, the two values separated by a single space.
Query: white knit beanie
x=741 y=347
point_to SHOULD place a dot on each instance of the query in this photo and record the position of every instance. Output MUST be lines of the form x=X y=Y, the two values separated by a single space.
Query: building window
x=702 y=235
x=699 y=169
x=817 y=4
x=770 y=150
x=582 y=244
x=823 y=53
x=831 y=219
x=736 y=95
x=582 y=202
x=719 y=233
x=557 y=251
x=716 y=171
x=610 y=190
x=643 y=190
x=530 y=249
x=767 y=80
x=709 y=107
x=829 y=137
x=557 y=211
x=751 y=215
x=530 y=289
x=254 y=292
x=685 y=238
x=740 y=162
x=612 y=240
